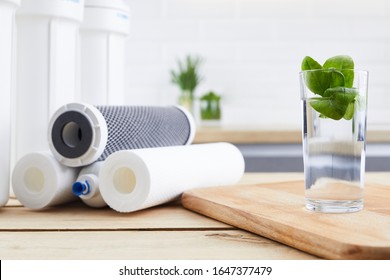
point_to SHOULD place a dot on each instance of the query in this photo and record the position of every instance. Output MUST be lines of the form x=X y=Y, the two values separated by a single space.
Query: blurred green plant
x=187 y=78
x=210 y=108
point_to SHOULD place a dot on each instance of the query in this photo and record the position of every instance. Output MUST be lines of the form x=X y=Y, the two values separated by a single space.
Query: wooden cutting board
x=276 y=211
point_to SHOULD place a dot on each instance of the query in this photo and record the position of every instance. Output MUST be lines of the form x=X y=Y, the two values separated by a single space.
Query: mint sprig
x=333 y=85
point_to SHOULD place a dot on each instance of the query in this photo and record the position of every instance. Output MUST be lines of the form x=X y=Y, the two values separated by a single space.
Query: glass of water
x=334 y=142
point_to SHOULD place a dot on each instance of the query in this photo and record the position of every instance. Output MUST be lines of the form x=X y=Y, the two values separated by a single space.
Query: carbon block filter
x=80 y=134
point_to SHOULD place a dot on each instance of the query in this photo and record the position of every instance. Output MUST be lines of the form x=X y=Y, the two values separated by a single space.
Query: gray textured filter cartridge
x=80 y=134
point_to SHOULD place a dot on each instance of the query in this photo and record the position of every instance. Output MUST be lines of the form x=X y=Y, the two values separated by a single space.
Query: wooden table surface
x=276 y=134
x=75 y=231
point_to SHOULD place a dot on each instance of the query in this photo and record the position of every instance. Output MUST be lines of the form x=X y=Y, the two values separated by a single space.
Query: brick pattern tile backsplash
x=252 y=51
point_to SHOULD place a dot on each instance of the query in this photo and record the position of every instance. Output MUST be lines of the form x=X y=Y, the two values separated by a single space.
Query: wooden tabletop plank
x=141 y=245
x=78 y=216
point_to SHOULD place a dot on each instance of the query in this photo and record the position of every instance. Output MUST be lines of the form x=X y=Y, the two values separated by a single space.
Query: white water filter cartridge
x=7 y=27
x=137 y=179
x=87 y=185
x=80 y=134
x=103 y=36
x=40 y=181
x=47 y=67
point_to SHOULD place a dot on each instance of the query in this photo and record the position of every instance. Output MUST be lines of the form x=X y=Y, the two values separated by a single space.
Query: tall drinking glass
x=334 y=142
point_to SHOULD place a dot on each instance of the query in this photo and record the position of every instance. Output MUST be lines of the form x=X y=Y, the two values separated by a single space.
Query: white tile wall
x=252 y=51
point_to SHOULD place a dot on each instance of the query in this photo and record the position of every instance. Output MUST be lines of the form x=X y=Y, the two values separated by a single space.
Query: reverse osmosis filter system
x=7 y=28
x=127 y=157
x=102 y=35
x=47 y=68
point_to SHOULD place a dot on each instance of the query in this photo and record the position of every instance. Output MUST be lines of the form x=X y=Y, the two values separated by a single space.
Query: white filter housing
x=7 y=27
x=47 y=67
x=103 y=36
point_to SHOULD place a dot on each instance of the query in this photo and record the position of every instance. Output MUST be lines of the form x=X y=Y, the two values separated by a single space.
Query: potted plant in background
x=210 y=109
x=187 y=78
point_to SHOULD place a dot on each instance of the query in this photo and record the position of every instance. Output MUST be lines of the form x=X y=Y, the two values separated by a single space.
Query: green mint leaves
x=334 y=86
x=337 y=103
x=345 y=65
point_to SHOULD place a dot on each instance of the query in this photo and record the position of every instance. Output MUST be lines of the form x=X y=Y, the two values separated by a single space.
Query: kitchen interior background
x=252 y=52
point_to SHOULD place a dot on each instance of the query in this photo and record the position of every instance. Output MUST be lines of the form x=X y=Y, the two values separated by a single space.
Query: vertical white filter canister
x=7 y=28
x=103 y=36
x=47 y=67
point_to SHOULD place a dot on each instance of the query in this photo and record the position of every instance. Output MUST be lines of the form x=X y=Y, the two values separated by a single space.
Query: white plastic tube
x=40 y=181
x=7 y=27
x=103 y=36
x=136 y=179
x=87 y=185
x=47 y=67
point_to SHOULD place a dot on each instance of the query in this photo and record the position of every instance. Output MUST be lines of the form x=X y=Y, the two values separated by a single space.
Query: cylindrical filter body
x=7 y=27
x=39 y=181
x=87 y=185
x=136 y=179
x=103 y=35
x=80 y=134
x=47 y=68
